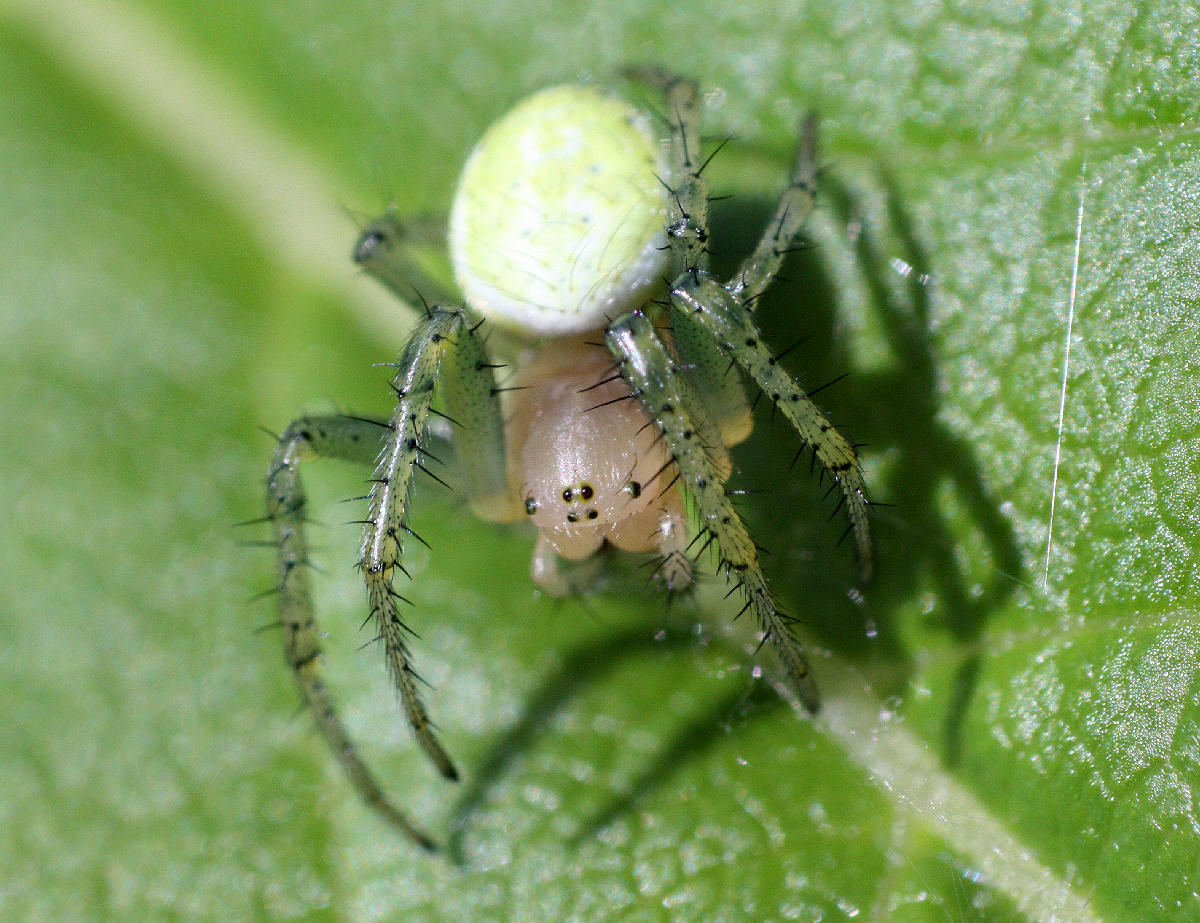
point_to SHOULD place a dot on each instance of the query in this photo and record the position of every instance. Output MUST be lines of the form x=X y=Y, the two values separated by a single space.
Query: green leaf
x=1006 y=266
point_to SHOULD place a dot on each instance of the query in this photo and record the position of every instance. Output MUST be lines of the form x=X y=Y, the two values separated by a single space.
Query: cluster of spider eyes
x=583 y=492
x=582 y=495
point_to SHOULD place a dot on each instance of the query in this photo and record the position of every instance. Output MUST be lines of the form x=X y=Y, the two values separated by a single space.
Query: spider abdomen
x=558 y=221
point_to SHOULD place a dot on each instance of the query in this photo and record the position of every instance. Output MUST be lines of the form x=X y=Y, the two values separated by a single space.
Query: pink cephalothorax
x=589 y=465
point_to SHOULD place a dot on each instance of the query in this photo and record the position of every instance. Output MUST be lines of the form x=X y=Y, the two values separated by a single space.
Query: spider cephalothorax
x=578 y=229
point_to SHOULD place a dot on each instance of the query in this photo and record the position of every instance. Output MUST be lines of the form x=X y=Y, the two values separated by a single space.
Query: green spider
x=573 y=222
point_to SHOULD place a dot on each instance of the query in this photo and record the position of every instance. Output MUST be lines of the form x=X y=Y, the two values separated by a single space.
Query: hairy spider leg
x=443 y=348
x=697 y=300
x=687 y=232
x=759 y=269
x=661 y=385
x=320 y=437
x=466 y=383
x=385 y=249
x=687 y=208
x=724 y=310
x=713 y=374
x=709 y=302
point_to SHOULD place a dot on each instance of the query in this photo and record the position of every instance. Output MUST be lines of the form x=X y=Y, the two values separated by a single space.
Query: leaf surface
x=1006 y=266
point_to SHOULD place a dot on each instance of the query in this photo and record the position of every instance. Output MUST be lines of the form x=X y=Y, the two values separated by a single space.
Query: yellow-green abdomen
x=558 y=222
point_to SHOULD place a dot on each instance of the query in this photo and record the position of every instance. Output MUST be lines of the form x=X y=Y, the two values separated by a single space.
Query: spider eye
x=572 y=517
x=585 y=491
x=592 y=514
x=531 y=505
x=567 y=494
x=634 y=489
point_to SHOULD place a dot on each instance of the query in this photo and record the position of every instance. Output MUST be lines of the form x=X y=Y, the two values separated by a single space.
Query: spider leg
x=687 y=233
x=687 y=210
x=385 y=249
x=329 y=437
x=713 y=374
x=758 y=270
x=656 y=379
x=712 y=305
x=467 y=387
x=466 y=383
x=697 y=299
x=443 y=350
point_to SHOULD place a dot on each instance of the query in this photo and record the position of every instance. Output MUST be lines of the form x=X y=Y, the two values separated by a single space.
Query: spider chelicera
x=577 y=228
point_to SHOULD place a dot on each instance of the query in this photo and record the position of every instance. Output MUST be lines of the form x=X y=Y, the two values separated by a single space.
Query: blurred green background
x=1011 y=721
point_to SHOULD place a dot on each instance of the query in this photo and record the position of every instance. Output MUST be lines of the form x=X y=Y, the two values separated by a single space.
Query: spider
x=579 y=230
